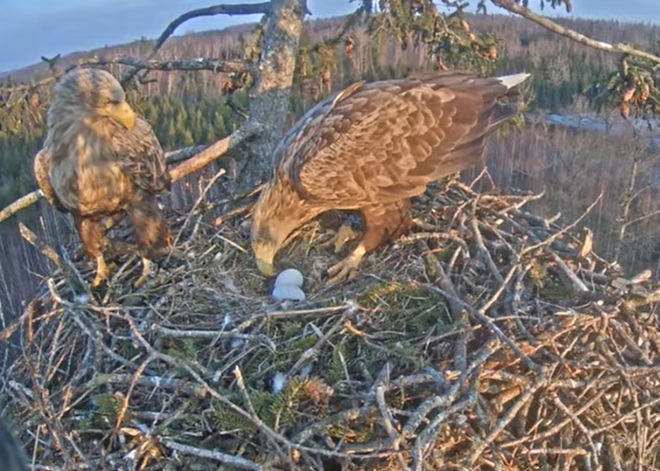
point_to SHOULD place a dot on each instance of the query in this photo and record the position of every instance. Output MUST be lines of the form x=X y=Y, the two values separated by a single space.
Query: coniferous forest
x=573 y=165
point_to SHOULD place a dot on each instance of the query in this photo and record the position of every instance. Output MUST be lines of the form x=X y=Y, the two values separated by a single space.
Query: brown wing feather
x=41 y=167
x=387 y=140
x=142 y=156
x=297 y=140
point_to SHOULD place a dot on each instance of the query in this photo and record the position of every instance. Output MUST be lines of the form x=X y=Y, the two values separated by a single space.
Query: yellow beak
x=123 y=114
x=266 y=267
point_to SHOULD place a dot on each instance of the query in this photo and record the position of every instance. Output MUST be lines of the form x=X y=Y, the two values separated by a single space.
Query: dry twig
x=371 y=372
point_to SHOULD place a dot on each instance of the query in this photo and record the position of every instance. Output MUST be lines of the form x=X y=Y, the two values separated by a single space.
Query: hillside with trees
x=516 y=327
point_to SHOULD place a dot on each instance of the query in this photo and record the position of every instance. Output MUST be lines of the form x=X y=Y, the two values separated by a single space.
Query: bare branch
x=203 y=63
x=20 y=204
x=18 y=92
x=642 y=218
x=22 y=89
x=44 y=248
x=212 y=152
x=235 y=461
x=548 y=24
x=240 y=9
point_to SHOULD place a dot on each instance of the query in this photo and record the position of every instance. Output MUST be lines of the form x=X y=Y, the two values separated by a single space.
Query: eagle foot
x=342 y=236
x=347 y=269
x=146 y=272
x=102 y=272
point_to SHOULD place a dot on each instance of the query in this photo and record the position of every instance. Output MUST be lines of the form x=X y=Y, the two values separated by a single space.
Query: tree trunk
x=270 y=95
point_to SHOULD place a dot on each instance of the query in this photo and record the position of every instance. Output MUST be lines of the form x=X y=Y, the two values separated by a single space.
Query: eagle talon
x=341 y=237
x=146 y=271
x=102 y=272
x=345 y=270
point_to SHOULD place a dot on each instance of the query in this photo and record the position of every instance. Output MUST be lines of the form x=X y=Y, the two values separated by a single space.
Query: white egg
x=282 y=292
x=291 y=277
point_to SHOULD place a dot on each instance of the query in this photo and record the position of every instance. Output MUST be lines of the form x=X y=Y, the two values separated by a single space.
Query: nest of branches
x=489 y=338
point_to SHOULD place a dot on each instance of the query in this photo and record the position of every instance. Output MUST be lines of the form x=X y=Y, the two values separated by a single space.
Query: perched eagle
x=371 y=148
x=99 y=158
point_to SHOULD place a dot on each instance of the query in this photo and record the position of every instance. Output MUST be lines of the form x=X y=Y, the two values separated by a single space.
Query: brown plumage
x=99 y=158
x=12 y=456
x=371 y=148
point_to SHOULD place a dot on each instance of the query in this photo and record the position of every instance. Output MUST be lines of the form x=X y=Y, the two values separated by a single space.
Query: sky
x=32 y=28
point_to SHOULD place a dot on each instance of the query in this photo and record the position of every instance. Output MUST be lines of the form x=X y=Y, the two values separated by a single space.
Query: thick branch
x=214 y=151
x=547 y=23
x=182 y=155
x=203 y=63
x=20 y=204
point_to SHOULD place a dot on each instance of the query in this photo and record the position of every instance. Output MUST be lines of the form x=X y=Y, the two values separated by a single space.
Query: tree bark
x=270 y=95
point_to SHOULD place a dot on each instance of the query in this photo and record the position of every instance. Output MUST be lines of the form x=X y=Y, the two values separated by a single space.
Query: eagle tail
x=510 y=81
x=503 y=112
x=469 y=150
x=150 y=228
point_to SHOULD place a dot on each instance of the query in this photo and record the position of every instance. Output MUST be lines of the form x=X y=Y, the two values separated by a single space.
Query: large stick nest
x=489 y=338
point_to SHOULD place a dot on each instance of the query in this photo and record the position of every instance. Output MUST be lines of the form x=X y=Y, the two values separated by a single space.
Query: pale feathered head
x=89 y=97
x=277 y=214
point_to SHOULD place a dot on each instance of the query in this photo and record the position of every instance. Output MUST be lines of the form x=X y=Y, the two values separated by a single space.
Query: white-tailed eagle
x=99 y=159
x=371 y=148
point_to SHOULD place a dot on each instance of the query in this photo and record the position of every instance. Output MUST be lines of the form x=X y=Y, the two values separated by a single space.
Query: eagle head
x=277 y=214
x=269 y=229
x=265 y=246
x=93 y=96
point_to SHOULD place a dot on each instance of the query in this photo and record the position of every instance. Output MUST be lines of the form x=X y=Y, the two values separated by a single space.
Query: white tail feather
x=510 y=81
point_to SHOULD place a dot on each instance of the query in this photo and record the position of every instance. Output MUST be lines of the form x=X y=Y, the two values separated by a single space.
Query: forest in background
x=572 y=166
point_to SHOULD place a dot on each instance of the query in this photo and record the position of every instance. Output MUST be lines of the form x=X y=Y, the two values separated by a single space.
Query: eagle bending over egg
x=99 y=159
x=371 y=148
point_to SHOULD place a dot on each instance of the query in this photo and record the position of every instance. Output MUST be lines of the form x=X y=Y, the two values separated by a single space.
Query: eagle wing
x=385 y=141
x=41 y=167
x=142 y=157
x=297 y=139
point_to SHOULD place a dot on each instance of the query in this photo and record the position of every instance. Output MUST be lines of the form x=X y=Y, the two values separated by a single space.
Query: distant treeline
x=187 y=108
